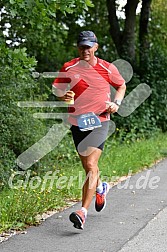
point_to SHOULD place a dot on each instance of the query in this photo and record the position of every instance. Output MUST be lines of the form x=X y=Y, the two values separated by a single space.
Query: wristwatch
x=118 y=102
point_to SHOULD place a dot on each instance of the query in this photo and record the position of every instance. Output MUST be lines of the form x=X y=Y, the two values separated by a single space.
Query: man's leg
x=90 y=157
x=93 y=183
x=90 y=164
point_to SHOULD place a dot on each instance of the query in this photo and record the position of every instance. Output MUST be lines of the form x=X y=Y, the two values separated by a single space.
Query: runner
x=86 y=82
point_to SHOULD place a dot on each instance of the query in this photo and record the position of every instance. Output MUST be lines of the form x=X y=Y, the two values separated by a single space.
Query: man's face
x=86 y=52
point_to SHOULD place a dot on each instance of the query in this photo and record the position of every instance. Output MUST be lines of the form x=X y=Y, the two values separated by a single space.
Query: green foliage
x=46 y=8
x=40 y=26
x=158 y=25
x=18 y=128
x=7 y=163
x=35 y=32
x=141 y=123
x=157 y=79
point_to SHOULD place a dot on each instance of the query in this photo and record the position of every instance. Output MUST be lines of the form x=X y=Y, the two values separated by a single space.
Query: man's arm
x=114 y=106
x=63 y=95
x=120 y=92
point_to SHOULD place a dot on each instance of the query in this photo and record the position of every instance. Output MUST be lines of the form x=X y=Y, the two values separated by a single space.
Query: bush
x=19 y=130
x=7 y=163
x=157 y=78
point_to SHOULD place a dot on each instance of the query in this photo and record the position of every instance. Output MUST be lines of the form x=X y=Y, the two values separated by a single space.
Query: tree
x=35 y=25
x=125 y=39
x=158 y=25
x=95 y=19
x=144 y=43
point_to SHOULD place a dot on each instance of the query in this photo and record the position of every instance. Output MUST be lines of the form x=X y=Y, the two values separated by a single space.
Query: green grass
x=134 y=156
x=34 y=195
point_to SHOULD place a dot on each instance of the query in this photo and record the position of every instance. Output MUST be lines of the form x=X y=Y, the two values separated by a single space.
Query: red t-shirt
x=91 y=85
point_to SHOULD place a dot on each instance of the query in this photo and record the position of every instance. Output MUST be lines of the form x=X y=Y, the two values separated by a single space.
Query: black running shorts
x=91 y=138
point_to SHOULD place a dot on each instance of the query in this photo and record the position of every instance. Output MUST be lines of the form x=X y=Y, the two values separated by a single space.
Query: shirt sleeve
x=62 y=81
x=115 y=77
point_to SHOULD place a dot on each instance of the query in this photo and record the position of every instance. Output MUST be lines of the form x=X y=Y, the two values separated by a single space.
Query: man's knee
x=89 y=165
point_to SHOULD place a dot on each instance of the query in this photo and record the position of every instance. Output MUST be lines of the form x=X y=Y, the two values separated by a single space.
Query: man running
x=87 y=81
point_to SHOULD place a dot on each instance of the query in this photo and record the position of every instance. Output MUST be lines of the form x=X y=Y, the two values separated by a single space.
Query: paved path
x=152 y=238
x=135 y=219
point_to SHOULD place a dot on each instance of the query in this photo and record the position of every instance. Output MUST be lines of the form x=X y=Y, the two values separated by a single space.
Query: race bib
x=88 y=121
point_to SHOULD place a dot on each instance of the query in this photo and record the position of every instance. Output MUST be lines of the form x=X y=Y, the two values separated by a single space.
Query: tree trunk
x=128 y=41
x=143 y=35
x=124 y=40
x=115 y=32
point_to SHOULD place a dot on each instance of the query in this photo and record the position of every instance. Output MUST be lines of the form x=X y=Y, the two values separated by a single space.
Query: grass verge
x=31 y=194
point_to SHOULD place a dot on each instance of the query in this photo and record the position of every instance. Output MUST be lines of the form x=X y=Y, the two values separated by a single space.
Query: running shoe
x=78 y=218
x=100 y=202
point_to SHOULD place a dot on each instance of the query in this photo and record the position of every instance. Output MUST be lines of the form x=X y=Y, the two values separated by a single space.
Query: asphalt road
x=135 y=219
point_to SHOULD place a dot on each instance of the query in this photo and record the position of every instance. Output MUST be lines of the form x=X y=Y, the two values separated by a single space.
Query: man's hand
x=112 y=107
x=68 y=97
